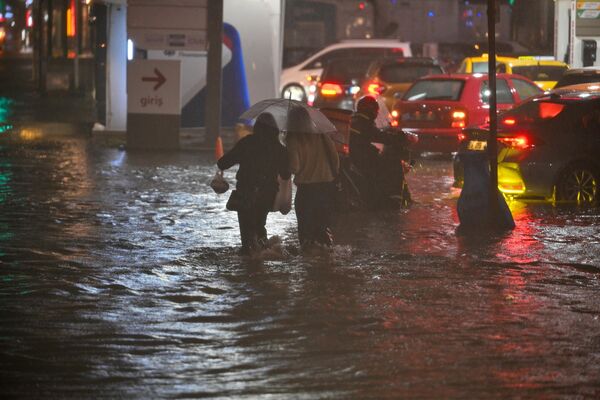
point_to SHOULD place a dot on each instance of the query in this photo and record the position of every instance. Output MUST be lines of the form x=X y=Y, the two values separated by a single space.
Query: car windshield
x=346 y=70
x=532 y=111
x=435 y=89
x=480 y=67
x=540 y=72
x=407 y=73
x=503 y=94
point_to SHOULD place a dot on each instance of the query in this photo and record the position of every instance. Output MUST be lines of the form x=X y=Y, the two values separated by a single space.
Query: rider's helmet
x=368 y=105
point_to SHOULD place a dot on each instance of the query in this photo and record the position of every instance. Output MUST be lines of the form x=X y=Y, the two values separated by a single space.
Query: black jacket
x=363 y=132
x=261 y=158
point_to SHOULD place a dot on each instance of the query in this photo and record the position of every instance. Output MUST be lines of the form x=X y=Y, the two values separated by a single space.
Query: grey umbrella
x=281 y=109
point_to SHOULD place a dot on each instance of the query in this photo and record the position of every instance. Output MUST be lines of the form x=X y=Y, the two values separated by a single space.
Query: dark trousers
x=252 y=227
x=314 y=204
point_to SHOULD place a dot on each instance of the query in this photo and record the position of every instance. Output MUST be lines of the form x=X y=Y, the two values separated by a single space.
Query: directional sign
x=158 y=77
x=167 y=24
x=153 y=87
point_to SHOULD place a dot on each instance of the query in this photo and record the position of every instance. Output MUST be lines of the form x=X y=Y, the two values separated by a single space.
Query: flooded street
x=120 y=278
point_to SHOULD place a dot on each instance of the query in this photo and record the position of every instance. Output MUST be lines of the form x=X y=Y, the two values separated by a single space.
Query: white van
x=299 y=81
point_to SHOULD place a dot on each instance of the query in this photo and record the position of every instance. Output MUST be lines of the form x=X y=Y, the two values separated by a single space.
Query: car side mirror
x=398 y=95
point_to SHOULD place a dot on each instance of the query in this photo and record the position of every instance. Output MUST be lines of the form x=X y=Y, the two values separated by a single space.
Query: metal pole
x=492 y=145
x=65 y=36
x=213 y=71
x=49 y=28
x=40 y=48
x=78 y=29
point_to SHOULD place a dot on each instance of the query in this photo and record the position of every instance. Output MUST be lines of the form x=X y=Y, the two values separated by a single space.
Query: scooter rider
x=375 y=167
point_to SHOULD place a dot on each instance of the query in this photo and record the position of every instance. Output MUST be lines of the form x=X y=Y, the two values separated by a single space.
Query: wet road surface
x=119 y=278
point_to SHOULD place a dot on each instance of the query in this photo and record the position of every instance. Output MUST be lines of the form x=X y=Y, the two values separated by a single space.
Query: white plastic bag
x=218 y=183
x=283 y=198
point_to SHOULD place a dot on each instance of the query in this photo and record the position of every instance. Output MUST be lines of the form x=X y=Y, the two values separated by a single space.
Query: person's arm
x=367 y=130
x=376 y=135
x=332 y=154
x=284 y=165
x=232 y=157
x=294 y=156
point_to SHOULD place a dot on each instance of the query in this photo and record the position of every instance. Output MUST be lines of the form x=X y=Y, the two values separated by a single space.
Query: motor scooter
x=388 y=189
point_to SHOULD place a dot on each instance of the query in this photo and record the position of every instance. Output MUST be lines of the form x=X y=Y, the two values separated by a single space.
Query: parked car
x=544 y=72
x=299 y=81
x=479 y=65
x=548 y=146
x=439 y=107
x=579 y=75
x=390 y=78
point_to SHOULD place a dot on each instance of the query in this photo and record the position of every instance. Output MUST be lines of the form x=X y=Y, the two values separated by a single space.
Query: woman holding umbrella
x=315 y=164
x=261 y=158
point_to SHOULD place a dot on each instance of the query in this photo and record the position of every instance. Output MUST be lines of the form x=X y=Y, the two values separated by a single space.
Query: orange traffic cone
x=218 y=148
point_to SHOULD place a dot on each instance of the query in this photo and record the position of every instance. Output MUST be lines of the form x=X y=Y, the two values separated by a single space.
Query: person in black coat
x=363 y=133
x=261 y=158
x=382 y=173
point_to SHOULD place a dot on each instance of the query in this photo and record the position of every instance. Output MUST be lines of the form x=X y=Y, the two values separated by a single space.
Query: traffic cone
x=218 y=148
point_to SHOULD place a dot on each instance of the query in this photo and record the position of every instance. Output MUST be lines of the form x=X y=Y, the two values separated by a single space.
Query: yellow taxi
x=479 y=65
x=544 y=72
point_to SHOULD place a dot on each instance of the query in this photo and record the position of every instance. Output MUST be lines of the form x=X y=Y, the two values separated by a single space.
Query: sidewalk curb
x=189 y=139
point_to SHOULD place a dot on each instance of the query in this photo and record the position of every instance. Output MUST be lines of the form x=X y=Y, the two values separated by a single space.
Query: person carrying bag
x=283 y=198
x=262 y=159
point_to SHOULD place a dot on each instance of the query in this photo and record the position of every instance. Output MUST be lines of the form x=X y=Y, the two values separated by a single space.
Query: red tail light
x=509 y=121
x=459 y=119
x=461 y=137
x=375 y=88
x=518 y=141
x=395 y=121
x=331 y=89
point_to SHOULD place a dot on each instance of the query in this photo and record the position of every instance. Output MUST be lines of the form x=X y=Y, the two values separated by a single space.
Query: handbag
x=218 y=183
x=283 y=197
x=236 y=201
x=242 y=200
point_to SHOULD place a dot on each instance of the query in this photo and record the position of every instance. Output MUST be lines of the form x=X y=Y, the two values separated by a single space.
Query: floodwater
x=120 y=278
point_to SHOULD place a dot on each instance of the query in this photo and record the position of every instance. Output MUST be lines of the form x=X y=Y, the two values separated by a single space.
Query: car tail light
x=550 y=110
x=461 y=137
x=395 y=120
x=511 y=187
x=331 y=89
x=519 y=141
x=459 y=119
x=509 y=121
x=375 y=88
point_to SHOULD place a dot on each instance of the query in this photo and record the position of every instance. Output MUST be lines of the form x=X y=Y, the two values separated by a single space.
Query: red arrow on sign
x=159 y=79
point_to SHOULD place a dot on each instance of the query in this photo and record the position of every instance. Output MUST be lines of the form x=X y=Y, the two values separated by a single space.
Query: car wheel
x=295 y=92
x=578 y=184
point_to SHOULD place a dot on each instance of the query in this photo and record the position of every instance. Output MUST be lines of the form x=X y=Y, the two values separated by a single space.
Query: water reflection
x=121 y=276
x=6 y=110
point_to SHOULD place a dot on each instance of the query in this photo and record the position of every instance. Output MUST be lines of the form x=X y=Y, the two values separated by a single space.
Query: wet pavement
x=119 y=278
